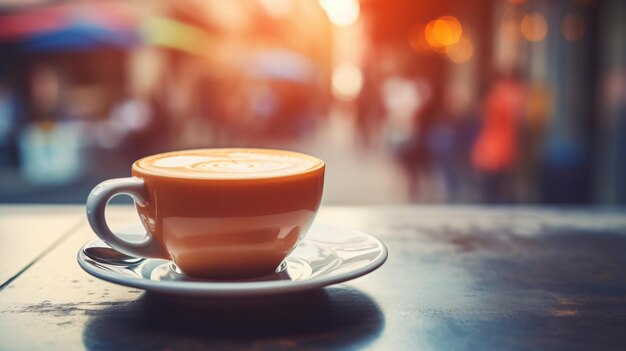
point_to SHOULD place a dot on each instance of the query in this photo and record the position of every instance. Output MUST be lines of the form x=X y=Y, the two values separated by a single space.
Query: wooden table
x=457 y=278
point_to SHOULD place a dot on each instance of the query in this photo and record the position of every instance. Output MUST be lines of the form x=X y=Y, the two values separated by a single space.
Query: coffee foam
x=229 y=163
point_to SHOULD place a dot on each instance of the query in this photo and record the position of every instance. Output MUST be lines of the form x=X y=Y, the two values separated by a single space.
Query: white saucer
x=327 y=255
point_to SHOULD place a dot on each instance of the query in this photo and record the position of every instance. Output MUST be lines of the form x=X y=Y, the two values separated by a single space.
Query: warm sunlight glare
x=347 y=81
x=342 y=13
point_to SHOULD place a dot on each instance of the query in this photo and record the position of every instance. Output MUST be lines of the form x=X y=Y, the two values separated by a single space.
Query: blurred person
x=407 y=136
x=50 y=148
x=538 y=110
x=413 y=152
x=495 y=152
x=448 y=140
x=370 y=108
x=455 y=131
x=402 y=98
x=441 y=145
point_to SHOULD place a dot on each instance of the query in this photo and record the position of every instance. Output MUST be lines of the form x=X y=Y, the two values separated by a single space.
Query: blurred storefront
x=494 y=101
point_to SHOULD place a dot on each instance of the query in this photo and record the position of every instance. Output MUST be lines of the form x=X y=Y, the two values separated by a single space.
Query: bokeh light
x=462 y=51
x=347 y=81
x=573 y=26
x=443 y=32
x=342 y=13
x=534 y=27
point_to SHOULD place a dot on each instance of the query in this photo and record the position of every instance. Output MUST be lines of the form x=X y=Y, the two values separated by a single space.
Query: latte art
x=244 y=166
x=230 y=163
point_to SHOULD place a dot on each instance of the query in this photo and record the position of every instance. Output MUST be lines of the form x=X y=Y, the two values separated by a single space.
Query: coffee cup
x=216 y=213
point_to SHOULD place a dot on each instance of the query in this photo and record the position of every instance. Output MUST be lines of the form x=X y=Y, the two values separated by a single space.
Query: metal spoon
x=108 y=255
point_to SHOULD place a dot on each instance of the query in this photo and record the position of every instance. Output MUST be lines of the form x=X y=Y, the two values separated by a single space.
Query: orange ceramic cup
x=217 y=213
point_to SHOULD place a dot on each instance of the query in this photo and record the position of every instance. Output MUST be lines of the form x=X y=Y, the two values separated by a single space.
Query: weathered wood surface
x=457 y=278
x=28 y=232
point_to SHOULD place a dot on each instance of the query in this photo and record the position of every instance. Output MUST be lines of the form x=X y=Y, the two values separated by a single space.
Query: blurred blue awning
x=79 y=36
x=72 y=27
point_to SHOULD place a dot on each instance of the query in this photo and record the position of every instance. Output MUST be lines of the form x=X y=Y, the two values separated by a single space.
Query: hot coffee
x=217 y=213
x=229 y=163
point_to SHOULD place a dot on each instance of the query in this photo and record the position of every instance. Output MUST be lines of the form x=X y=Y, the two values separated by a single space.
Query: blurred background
x=486 y=101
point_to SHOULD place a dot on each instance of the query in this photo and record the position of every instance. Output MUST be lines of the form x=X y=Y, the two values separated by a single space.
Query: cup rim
x=138 y=170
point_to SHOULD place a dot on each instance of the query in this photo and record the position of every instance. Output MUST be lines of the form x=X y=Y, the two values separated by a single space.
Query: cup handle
x=96 y=204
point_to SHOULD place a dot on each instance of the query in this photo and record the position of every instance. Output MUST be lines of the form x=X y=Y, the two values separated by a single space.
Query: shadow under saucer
x=333 y=317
